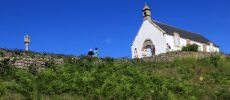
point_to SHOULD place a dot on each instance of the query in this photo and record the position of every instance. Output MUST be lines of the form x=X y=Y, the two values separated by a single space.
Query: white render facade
x=154 y=38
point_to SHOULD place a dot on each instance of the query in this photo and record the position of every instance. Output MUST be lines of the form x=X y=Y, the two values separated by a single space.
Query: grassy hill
x=184 y=78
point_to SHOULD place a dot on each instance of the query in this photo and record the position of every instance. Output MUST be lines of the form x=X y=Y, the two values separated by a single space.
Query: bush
x=5 y=69
x=228 y=57
x=1 y=53
x=190 y=48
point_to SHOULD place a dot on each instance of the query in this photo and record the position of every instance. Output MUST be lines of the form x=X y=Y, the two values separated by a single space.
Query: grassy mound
x=108 y=78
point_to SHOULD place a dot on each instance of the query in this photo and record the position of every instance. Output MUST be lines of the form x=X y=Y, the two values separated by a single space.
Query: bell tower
x=146 y=12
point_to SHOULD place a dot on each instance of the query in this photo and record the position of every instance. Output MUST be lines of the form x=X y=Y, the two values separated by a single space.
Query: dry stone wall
x=24 y=60
x=173 y=55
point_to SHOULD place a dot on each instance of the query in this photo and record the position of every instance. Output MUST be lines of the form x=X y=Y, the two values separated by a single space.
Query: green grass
x=108 y=78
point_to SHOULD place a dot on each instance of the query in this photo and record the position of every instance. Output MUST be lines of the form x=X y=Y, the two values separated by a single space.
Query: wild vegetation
x=108 y=78
x=190 y=48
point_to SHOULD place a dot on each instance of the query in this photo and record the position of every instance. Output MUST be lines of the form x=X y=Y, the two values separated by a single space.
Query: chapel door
x=148 y=49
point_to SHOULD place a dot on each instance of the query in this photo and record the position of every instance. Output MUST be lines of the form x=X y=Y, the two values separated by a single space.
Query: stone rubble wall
x=173 y=55
x=24 y=60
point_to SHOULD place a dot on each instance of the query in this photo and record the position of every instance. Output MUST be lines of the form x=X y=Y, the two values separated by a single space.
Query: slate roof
x=183 y=33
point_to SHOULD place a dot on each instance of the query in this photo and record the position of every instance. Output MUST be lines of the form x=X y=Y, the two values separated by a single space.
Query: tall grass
x=108 y=78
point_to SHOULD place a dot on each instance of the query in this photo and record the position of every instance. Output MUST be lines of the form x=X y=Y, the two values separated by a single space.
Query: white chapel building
x=154 y=38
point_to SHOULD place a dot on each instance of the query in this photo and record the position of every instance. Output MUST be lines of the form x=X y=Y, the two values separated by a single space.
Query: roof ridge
x=176 y=27
x=180 y=29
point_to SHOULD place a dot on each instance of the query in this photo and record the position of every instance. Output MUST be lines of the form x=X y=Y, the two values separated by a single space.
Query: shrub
x=108 y=59
x=228 y=57
x=215 y=59
x=5 y=69
x=17 y=51
x=2 y=88
x=190 y=48
x=1 y=53
x=69 y=59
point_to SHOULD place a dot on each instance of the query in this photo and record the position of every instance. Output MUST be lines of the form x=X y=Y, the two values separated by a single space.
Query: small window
x=176 y=39
x=145 y=13
x=135 y=53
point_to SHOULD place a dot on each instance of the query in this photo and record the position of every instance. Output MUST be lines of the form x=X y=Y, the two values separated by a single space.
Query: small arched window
x=176 y=39
x=145 y=13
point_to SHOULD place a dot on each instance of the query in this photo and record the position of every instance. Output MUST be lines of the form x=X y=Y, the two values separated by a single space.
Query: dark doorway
x=148 y=49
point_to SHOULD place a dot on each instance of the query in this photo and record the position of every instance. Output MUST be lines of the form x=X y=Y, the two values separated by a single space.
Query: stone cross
x=27 y=41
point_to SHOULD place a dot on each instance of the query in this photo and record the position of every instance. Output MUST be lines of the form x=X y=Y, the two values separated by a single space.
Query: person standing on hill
x=96 y=52
x=168 y=47
x=90 y=53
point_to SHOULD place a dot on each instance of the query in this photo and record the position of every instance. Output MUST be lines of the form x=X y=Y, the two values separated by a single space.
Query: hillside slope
x=107 y=78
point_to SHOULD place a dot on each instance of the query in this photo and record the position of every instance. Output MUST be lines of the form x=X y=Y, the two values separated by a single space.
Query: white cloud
x=108 y=40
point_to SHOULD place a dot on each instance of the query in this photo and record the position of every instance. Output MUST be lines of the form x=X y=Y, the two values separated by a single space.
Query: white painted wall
x=170 y=41
x=183 y=42
x=149 y=31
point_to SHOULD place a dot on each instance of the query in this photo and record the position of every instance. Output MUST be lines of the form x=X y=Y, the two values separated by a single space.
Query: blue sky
x=75 y=26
